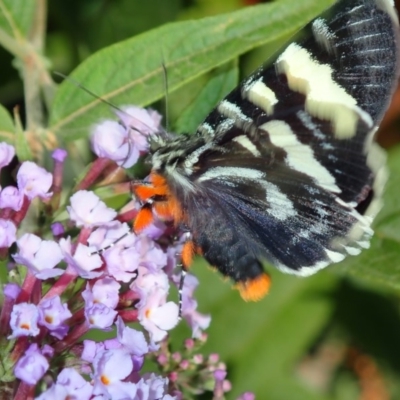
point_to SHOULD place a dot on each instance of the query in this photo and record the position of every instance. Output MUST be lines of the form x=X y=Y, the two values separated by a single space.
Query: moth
x=285 y=168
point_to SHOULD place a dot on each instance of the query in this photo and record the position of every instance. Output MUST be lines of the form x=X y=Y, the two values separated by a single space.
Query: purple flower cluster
x=91 y=272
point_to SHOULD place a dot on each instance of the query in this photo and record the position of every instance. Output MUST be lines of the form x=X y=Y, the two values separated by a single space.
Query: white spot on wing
x=232 y=111
x=206 y=129
x=193 y=158
x=300 y=156
x=245 y=142
x=280 y=206
x=334 y=256
x=353 y=251
x=304 y=271
x=323 y=35
x=237 y=172
x=260 y=95
x=325 y=99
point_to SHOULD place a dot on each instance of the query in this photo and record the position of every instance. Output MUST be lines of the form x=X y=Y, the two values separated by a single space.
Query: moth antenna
x=88 y=91
x=166 y=108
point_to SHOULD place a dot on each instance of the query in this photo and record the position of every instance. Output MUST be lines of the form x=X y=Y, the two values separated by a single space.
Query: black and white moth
x=285 y=169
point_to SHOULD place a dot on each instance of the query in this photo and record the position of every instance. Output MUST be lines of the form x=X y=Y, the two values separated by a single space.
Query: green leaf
x=16 y=17
x=7 y=129
x=381 y=262
x=21 y=140
x=208 y=92
x=130 y=72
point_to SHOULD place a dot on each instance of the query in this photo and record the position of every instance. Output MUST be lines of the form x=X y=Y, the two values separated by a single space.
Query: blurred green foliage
x=302 y=341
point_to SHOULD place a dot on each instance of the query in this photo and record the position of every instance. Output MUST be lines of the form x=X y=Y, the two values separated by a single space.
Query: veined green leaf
x=130 y=72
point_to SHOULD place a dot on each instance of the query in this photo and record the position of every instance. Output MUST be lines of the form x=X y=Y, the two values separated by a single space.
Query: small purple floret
x=24 y=320
x=59 y=155
x=8 y=233
x=39 y=256
x=88 y=210
x=11 y=197
x=34 y=181
x=31 y=367
x=7 y=153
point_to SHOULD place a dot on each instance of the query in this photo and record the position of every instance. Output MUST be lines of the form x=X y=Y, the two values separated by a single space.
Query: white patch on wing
x=206 y=129
x=325 y=98
x=353 y=251
x=232 y=111
x=237 y=172
x=323 y=35
x=376 y=160
x=299 y=156
x=304 y=271
x=334 y=256
x=307 y=122
x=193 y=157
x=260 y=95
x=245 y=142
x=279 y=205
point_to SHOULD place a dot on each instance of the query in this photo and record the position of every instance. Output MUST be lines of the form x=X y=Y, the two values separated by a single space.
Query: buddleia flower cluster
x=88 y=272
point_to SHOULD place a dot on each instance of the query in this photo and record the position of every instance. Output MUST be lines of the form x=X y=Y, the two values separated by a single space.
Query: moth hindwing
x=284 y=169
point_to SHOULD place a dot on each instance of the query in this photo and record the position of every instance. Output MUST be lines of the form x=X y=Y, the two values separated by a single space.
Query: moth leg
x=186 y=258
x=103 y=249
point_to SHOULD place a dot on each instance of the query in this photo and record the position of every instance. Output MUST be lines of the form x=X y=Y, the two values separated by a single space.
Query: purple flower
x=69 y=385
x=122 y=263
x=39 y=256
x=34 y=181
x=147 y=282
x=220 y=374
x=8 y=232
x=88 y=210
x=55 y=392
x=47 y=351
x=31 y=367
x=132 y=340
x=82 y=261
x=90 y=349
x=59 y=155
x=53 y=314
x=11 y=197
x=12 y=290
x=23 y=320
x=115 y=234
x=110 y=140
x=121 y=258
x=104 y=291
x=111 y=367
x=151 y=255
x=157 y=316
x=99 y=315
x=197 y=321
x=247 y=396
x=142 y=122
x=57 y=229
x=151 y=387
x=155 y=230
x=7 y=153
